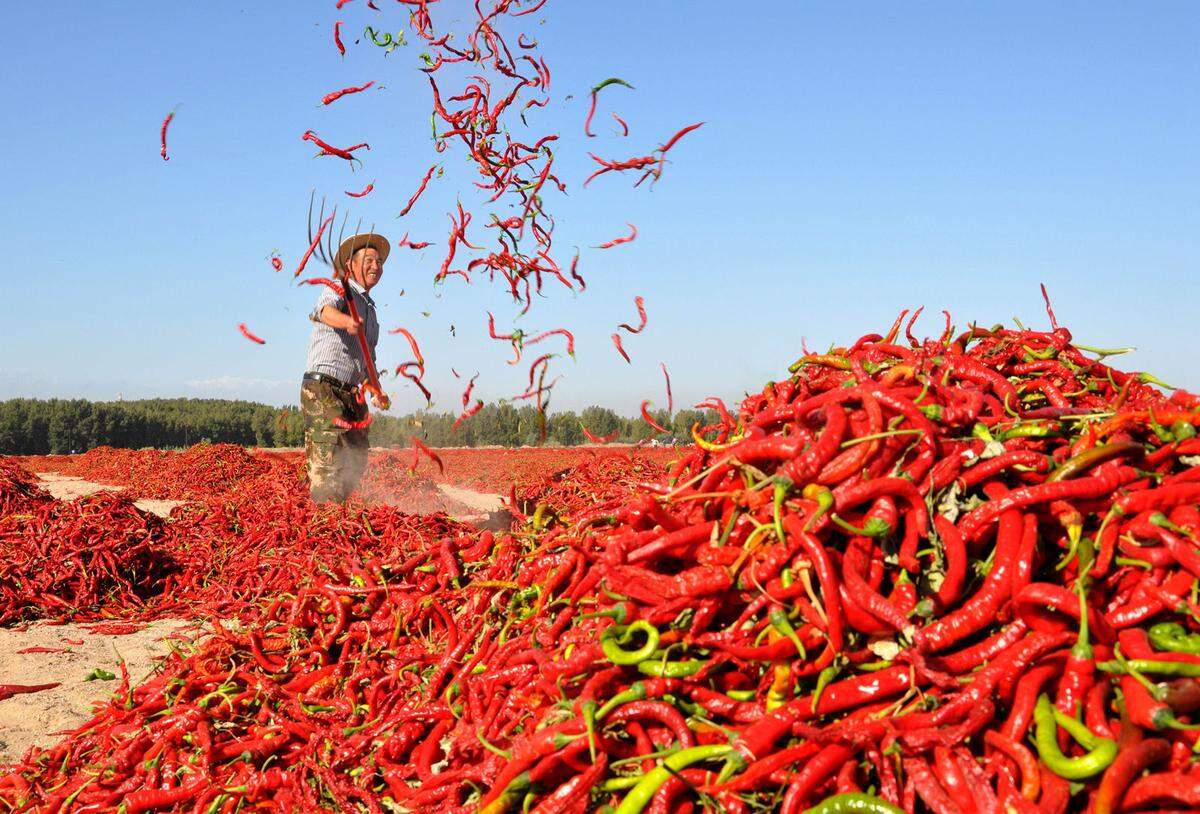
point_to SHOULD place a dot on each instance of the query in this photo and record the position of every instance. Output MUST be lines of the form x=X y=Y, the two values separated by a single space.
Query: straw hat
x=367 y=240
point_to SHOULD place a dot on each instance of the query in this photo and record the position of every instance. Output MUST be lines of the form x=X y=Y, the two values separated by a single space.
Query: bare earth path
x=69 y=487
x=34 y=718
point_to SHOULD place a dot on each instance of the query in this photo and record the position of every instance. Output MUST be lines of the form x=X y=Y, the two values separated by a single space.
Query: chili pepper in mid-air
x=429 y=453
x=332 y=97
x=312 y=247
x=404 y=241
x=328 y=149
x=341 y=3
x=649 y=419
x=276 y=263
x=575 y=273
x=246 y=333
x=337 y=38
x=470 y=411
x=618 y=241
x=616 y=340
x=587 y=123
x=366 y=191
x=624 y=126
x=332 y=285
x=362 y=424
x=417 y=194
x=162 y=135
x=667 y=377
x=570 y=337
x=671 y=141
x=640 y=304
x=599 y=439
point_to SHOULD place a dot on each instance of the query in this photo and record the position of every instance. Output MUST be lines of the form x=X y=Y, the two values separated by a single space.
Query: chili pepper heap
x=943 y=575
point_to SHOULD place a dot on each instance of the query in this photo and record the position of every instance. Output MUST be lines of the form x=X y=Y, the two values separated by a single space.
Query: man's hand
x=381 y=401
x=340 y=320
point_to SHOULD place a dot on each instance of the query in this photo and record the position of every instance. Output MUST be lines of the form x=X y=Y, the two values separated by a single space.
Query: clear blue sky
x=857 y=159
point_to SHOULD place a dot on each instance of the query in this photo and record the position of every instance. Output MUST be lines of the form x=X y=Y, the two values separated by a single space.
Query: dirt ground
x=69 y=487
x=40 y=718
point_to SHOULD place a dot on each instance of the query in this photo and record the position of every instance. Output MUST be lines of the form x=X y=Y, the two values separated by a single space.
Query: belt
x=332 y=381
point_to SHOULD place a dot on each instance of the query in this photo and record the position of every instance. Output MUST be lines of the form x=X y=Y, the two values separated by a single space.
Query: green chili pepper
x=854 y=803
x=641 y=794
x=1185 y=669
x=1026 y=430
x=613 y=637
x=874 y=527
x=823 y=679
x=1173 y=637
x=671 y=669
x=1100 y=751
x=824 y=498
x=779 y=620
x=783 y=486
x=635 y=692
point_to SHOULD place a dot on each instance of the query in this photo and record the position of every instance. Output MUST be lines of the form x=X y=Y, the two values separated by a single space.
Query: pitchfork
x=327 y=251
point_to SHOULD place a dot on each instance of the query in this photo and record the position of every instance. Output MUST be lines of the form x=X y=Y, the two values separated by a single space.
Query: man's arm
x=338 y=320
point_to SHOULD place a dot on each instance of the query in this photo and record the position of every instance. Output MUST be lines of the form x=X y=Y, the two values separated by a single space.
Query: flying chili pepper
x=412 y=342
x=332 y=285
x=616 y=339
x=162 y=135
x=557 y=331
x=316 y=241
x=337 y=37
x=649 y=419
x=364 y=193
x=328 y=149
x=404 y=241
x=246 y=333
x=417 y=194
x=618 y=241
x=575 y=273
x=587 y=123
x=640 y=304
x=362 y=424
x=472 y=410
x=671 y=142
x=599 y=439
x=670 y=398
x=330 y=98
x=624 y=126
x=1049 y=310
x=429 y=453
x=341 y=3
x=466 y=396
x=276 y=262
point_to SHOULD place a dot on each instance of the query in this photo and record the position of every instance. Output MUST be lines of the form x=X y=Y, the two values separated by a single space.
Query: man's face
x=366 y=268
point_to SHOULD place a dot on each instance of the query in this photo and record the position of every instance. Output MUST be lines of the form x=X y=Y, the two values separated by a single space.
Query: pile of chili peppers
x=944 y=575
x=197 y=472
x=600 y=478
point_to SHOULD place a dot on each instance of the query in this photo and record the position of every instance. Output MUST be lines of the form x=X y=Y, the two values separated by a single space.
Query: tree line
x=64 y=426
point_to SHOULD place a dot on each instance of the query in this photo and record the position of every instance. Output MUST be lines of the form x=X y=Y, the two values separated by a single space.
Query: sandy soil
x=69 y=487
x=37 y=718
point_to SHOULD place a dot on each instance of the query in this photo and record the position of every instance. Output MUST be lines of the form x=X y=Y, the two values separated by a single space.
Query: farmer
x=335 y=370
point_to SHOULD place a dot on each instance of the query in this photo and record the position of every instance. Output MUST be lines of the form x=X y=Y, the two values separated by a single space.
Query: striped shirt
x=337 y=353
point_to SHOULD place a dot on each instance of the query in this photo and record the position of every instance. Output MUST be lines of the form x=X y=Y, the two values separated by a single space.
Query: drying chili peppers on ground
x=943 y=575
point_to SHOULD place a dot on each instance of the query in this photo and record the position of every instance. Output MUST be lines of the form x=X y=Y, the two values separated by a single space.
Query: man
x=335 y=370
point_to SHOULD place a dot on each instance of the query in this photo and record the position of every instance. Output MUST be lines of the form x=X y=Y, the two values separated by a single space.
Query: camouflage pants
x=336 y=457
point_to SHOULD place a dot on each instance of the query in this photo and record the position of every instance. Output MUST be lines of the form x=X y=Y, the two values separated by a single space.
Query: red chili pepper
x=616 y=339
x=366 y=191
x=312 y=247
x=162 y=135
x=328 y=149
x=667 y=378
x=475 y=408
x=618 y=241
x=330 y=98
x=649 y=419
x=404 y=241
x=276 y=263
x=417 y=194
x=9 y=690
x=671 y=142
x=599 y=439
x=429 y=453
x=332 y=285
x=337 y=37
x=639 y=303
x=246 y=333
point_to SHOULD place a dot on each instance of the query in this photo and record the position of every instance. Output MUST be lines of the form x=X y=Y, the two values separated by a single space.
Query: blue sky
x=856 y=160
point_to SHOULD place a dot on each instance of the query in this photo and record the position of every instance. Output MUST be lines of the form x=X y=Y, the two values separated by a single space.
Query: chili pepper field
x=950 y=574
